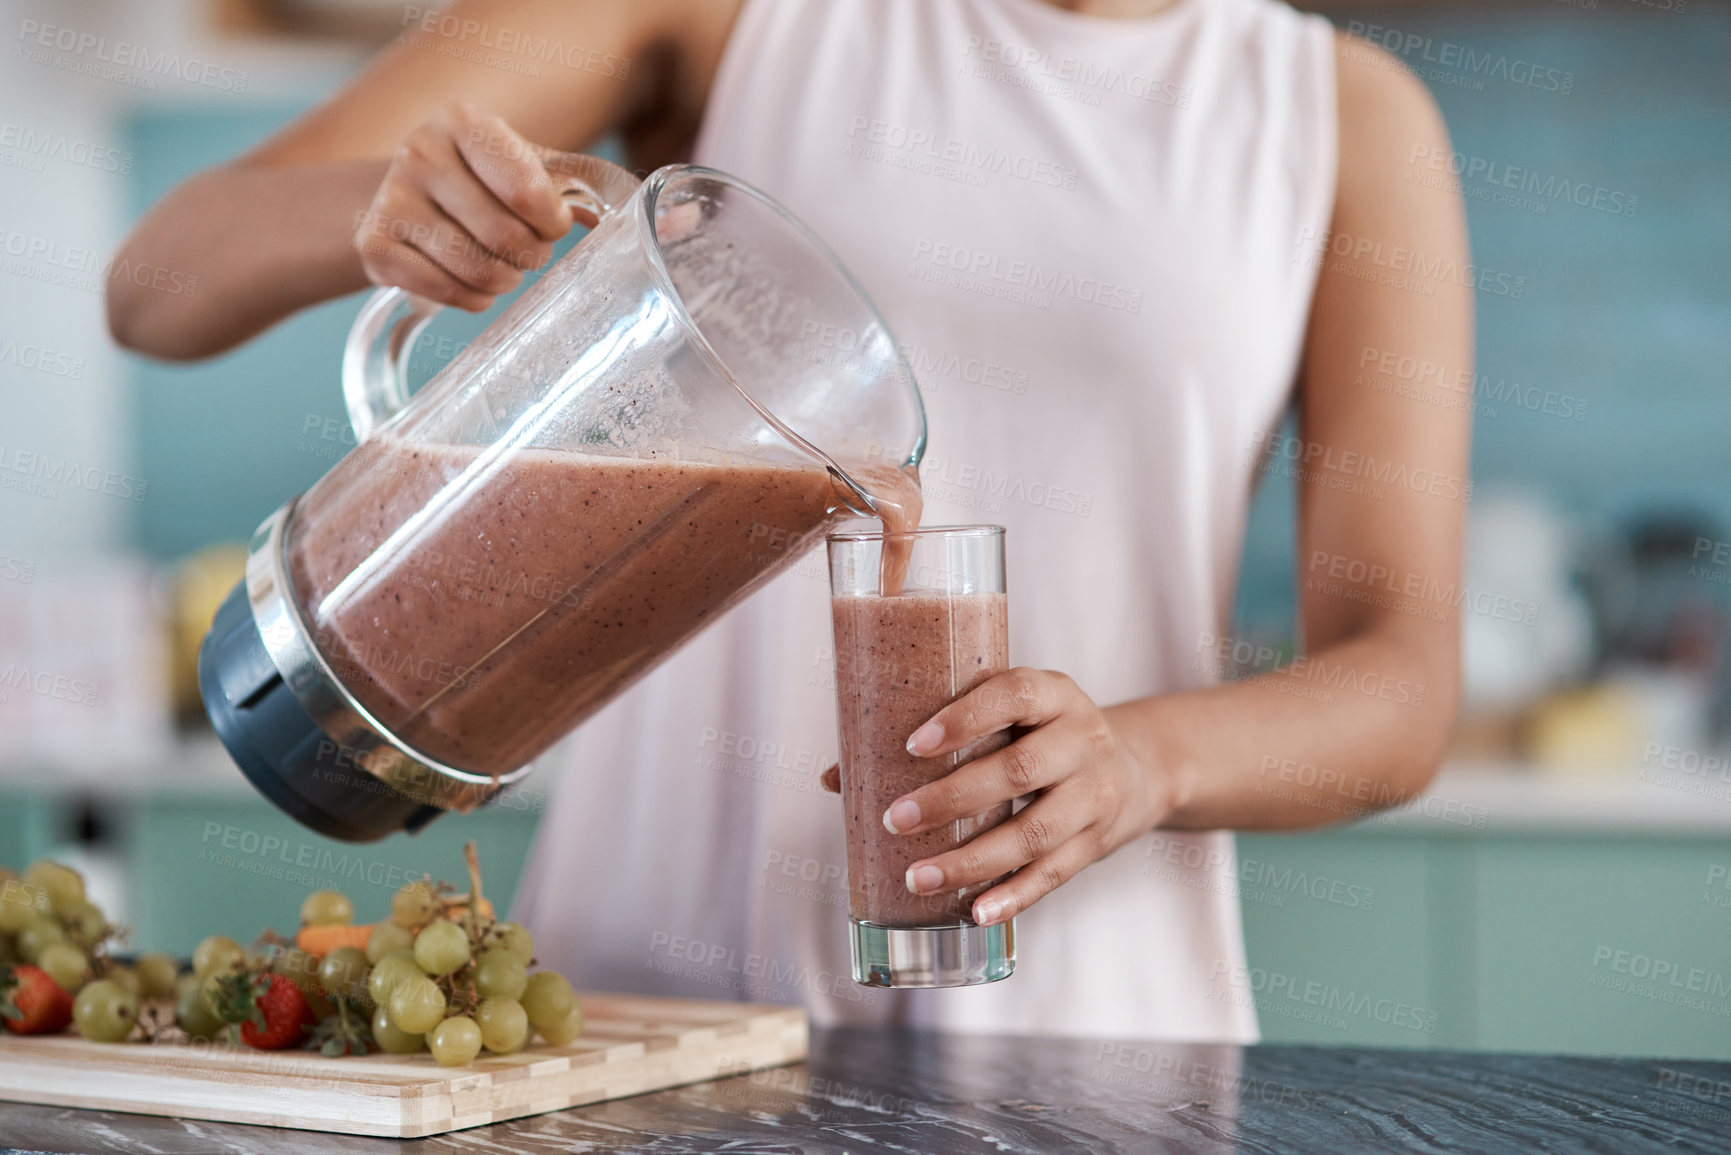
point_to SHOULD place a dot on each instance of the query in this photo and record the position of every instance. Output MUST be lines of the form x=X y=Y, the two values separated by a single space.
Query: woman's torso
x=1083 y=233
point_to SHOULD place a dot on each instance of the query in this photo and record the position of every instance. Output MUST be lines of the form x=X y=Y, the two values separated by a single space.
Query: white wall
x=82 y=670
x=63 y=394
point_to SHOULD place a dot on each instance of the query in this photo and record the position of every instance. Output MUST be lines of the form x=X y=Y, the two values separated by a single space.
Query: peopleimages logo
x=1071 y=77
x=41 y=359
x=78 y=267
x=761 y=976
x=46 y=684
x=1417 y=374
x=974 y=269
x=505 y=41
x=1276 y=988
x=968 y=157
x=87 y=47
x=1666 y=976
x=1520 y=179
x=1447 y=54
x=1376 y=577
x=1223 y=657
x=37 y=147
x=1315 y=457
x=44 y=472
x=1399 y=264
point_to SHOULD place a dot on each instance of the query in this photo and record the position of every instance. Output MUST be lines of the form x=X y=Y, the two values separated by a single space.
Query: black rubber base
x=281 y=749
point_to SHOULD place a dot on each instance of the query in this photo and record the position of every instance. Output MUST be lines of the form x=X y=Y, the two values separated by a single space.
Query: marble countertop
x=906 y=1091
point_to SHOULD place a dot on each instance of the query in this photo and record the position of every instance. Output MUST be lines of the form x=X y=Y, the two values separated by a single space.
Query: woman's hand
x=465 y=207
x=1091 y=794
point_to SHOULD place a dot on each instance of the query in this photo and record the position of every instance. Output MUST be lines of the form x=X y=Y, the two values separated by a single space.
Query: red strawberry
x=31 y=1003
x=283 y=1017
x=271 y=1010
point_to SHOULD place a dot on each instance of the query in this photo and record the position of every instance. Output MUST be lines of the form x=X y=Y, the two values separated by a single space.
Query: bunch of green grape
x=48 y=921
x=435 y=976
x=451 y=983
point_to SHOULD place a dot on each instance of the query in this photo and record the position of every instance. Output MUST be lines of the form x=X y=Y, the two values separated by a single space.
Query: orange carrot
x=458 y=911
x=322 y=940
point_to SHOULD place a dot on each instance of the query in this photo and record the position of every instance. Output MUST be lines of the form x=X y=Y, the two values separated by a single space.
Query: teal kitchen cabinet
x=1591 y=933
x=1340 y=940
x=1601 y=946
x=25 y=821
x=234 y=865
x=204 y=855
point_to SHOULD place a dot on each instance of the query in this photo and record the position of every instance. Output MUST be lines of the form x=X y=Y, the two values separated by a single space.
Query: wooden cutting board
x=630 y=1045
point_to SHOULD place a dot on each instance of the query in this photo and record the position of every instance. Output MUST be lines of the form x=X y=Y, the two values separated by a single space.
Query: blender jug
x=695 y=393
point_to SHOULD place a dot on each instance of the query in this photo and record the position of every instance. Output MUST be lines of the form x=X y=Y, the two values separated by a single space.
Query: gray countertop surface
x=909 y=1091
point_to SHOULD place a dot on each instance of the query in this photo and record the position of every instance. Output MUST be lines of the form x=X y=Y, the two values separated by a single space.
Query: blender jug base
x=278 y=746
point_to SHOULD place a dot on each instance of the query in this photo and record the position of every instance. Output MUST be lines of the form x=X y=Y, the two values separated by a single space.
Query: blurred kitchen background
x=1569 y=864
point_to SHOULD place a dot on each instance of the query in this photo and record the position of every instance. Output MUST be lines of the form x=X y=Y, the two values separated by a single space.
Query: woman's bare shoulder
x=1383 y=107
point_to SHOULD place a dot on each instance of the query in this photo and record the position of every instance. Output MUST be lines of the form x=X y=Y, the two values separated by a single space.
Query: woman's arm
x=1382 y=742
x=1371 y=703
x=295 y=221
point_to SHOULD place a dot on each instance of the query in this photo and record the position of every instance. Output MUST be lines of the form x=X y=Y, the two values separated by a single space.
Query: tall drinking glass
x=920 y=619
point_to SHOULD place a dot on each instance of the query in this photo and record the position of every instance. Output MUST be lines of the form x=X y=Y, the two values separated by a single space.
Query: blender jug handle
x=375 y=358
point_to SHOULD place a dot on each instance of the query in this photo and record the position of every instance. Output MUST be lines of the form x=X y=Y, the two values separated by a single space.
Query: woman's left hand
x=1092 y=795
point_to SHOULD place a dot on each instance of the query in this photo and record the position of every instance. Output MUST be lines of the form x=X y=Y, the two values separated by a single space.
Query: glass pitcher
x=669 y=416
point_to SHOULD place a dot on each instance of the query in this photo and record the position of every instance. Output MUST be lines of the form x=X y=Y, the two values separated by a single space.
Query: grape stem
x=474 y=912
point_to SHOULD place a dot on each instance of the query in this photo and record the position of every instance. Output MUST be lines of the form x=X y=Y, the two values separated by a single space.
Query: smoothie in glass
x=903 y=651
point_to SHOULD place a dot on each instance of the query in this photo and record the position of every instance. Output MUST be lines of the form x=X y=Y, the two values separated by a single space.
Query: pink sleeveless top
x=1082 y=230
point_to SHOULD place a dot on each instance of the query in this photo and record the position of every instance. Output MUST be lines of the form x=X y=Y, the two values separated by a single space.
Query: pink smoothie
x=482 y=610
x=899 y=660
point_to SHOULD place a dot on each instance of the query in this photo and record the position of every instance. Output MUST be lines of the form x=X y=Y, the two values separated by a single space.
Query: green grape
x=20 y=902
x=394 y=968
x=499 y=974
x=193 y=1013
x=65 y=964
x=216 y=953
x=125 y=977
x=415 y=905
x=391 y=1039
x=104 y=1012
x=84 y=922
x=344 y=971
x=455 y=1042
x=441 y=948
x=39 y=932
x=547 y=998
x=64 y=885
x=513 y=937
x=565 y=1029
x=387 y=938
x=504 y=1026
x=157 y=974
x=417 y=1005
x=327 y=908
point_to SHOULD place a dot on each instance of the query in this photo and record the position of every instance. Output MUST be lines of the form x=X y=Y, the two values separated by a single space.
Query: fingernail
x=923 y=878
x=925 y=738
x=904 y=815
x=986 y=912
